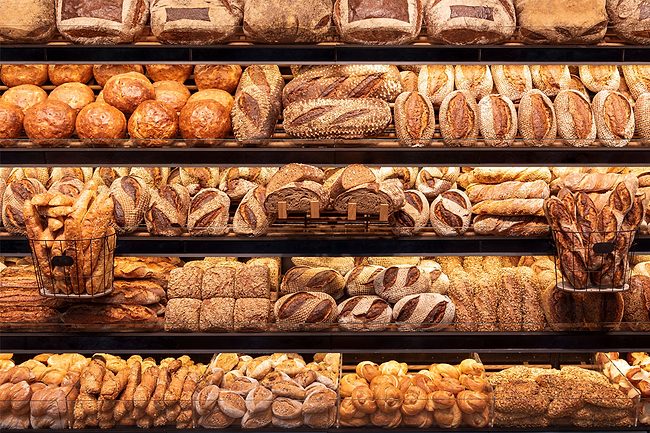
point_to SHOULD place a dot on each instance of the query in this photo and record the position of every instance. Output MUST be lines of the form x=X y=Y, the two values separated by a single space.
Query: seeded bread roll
x=415 y=121
x=551 y=79
x=510 y=225
x=361 y=280
x=459 y=119
x=536 y=118
x=451 y=213
x=130 y=196
x=432 y=181
x=370 y=196
x=497 y=120
x=27 y=21
x=305 y=310
x=512 y=81
x=614 y=118
x=411 y=218
x=436 y=81
x=630 y=20
x=476 y=79
x=168 y=209
x=16 y=194
x=575 y=121
x=313 y=279
x=288 y=22
x=364 y=313
x=425 y=311
x=637 y=78
x=208 y=213
x=642 y=117
x=395 y=282
x=600 y=77
x=251 y=217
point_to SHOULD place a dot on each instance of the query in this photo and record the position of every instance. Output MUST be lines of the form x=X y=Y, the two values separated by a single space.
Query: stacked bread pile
x=136 y=391
x=572 y=396
x=388 y=396
x=281 y=390
x=508 y=201
x=39 y=393
x=212 y=296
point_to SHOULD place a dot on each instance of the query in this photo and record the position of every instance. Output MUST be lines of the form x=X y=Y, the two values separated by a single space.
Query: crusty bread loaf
x=536 y=118
x=476 y=79
x=27 y=21
x=370 y=196
x=432 y=181
x=313 y=279
x=512 y=81
x=470 y=22
x=502 y=174
x=298 y=197
x=347 y=178
x=294 y=173
x=361 y=280
x=436 y=81
x=575 y=121
x=510 y=189
x=168 y=209
x=305 y=310
x=208 y=213
x=337 y=118
x=16 y=194
x=600 y=77
x=637 y=78
x=630 y=19
x=459 y=119
x=451 y=213
x=251 y=217
x=424 y=311
x=576 y=84
x=415 y=121
x=364 y=313
x=510 y=206
x=411 y=218
x=642 y=117
x=550 y=79
x=131 y=197
x=510 y=225
x=591 y=182
x=406 y=175
x=614 y=118
x=395 y=282
x=409 y=81
x=497 y=120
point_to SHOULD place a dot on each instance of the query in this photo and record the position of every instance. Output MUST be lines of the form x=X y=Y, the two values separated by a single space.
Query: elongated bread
x=436 y=81
x=476 y=79
x=497 y=120
x=642 y=117
x=510 y=225
x=575 y=121
x=415 y=121
x=637 y=78
x=512 y=81
x=536 y=118
x=550 y=79
x=614 y=118
x=591 y=182
x=577 y=84
x=600 y=77
x=506 y=190
x=502 y=174
x=512 y=206
x=459 y=119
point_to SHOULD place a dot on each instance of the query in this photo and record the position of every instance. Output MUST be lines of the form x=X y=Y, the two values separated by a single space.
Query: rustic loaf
x=451 y=213
x=550 y=79
x=298 y=197
x=16 y=194
x=510 y=206
x=432 y=181
x=361 y=280
x=313 y=279
x=436 y=81
x=536 y=118
x=510 y=225
x=630 y=19
x=27 y=21
x=395 y=282
x=251 y=217
x=509 y=189
x=370 y=196
x=364 y=313
x=347 y=178
x=476 y=79
x=600 y=77
x=168 y=209
x=424 y=311
x=208 y=213
x=411 y=218
x=642 y=117
x=459 y=119
x=614 y=118
x=305 y=310
x=576 y=124
x=288 y=21
x=637 y=78
x=502 y=174
x=497 y=120
x=415 y=121
x=130 y=196
x=512 y=81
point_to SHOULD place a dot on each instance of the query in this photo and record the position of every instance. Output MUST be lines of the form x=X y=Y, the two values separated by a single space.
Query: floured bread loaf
x=450 y=213
x=630 y=19
x=130 y=196
x=208 y=213
x=369 y=197
x=575 y=121
x=412 y=217
x=395 y=282
x=251 y=217
x=27 y=21
x=614 y=118
x=287 y=21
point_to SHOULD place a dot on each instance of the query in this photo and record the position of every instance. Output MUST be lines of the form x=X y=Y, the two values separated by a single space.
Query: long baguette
x=514 y=206
x=506 y=190
x=503 y=174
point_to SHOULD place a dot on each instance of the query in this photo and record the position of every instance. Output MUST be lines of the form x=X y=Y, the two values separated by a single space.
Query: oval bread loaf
x=415 y=121
x=364 y=313
x=476 y=79
x=395 y=282
x=600 y=77
x=512 y=81
x=425 y=311
x=411 y=218
x=16 y=194
x=497 y=120
x=131 y=197
x=432 y=181
x=251 y=217
x=298 y=197
x=451 y=213
x=436 y=81
x=510 y=225
x=637 y=78
x=550 y=79
x=361 y=280
x=577 y=84
x=313 y=279
x=536 y=119
x=614 y=118
x=208 y=214
x=305 y=310
x=168 y=209
x=642 y=117
x=459 y=119
x=575 y=121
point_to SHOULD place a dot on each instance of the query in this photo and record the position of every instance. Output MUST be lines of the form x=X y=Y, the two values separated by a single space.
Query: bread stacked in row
x=213 y=296
x=280 y=390
x=40 y=392
x=389 y=396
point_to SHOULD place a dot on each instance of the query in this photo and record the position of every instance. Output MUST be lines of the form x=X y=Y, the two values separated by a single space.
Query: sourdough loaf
x=412 y=217
x=395 y=282
x=364 y=313
x=451 y=213
x=630 y=20
x=600 y=77
x=208 y=213
x=130 y=196
x=536 y=118
x=432 y=181
x=313 y=279
x=476 y=79
x=361 y=280
x=415 y=121
x=288 y=21
x=637 y=78
x=512 y=81
x=436 y=81
x=576 y=124
x=16 y=194
x=168 y=209
x=510 y=225
x=409 y=81
x=614 y=118
x=459 y=119
x=27 y=21
x=424 y=311
x=370 y=196
x=251 y=217
x=550 y=79
x=305 y=310
x=298 y=197
x=497 y=120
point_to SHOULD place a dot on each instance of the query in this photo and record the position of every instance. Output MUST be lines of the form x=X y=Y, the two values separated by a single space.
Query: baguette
x=513 y=206
x=506 y=190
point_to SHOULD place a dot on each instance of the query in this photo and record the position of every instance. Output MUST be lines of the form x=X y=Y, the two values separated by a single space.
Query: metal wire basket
x=77 y=269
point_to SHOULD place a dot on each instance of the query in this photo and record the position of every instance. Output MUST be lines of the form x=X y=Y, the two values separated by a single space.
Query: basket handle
x=603 y=248
x=62 y=261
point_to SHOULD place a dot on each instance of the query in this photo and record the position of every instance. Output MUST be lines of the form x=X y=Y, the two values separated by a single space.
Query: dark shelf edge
x=639 y=428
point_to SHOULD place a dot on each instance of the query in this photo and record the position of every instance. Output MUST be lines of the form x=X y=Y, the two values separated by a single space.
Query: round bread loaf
x=451 y=213
x=204 y=119
x=459 y=122
x=406 y=175
x=172 y=93
x=178 y=73
x=364 y=313
x=313 y=279
x=432 y=181
x=512 y=81
x=101 y=122
x=395 y=282
x=126 y=91
x=224 y=77
x=575 y=121
x=412 y=217
x=61 y=74
x=103 y=73
x=536 y=118
x=16 y=194
x=50 y=120
x=600 y=77
x=11 y=119
x=361 y=280
x=305 y=310
x=251 y=217
x=425 y=311
x=550 y=79
x=168 y=209
x=131 y=197
x=154 y=177
x=218 y=95
x=614 y=118
x=84 y=174
x=208 y=215
x=16 y=75
x=76 y=95
x=637 y=78
x=153 y=123
x=436 y=81
x=24 y=96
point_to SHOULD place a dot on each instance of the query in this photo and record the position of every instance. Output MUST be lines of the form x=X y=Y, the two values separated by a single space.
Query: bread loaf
x=287 y=22
x=178 y=73
x=451 y=213
x=436 y=81
x=459 y=119
x=637 y=78
x=561 y=22
x=30 y=21
x=252 y=281
x=630 y=20
x=18 y=75
x=364 y=313
x=197 y=178
x=361 y=280
x=590 y=182
x=336 y=118
x=509 y=189
x=470 y=22
x=390 y=22
x=126 y=91
x=16 y=194
x=168 y=209
x=298 y=197
x=208 y=213
x=49 y=122
x=497 y=120
x=101 y=22
x=251 y=217
x=536 y=118
x=258 y=103
x=395 y=282
x=102 y=123
x=370 y=196
x=237 y=181
x=11 y=117
x=172 y=93
x=494 y=175
x=305 y=310
x=202 y=121
x=130 y=196
x=476 y=79
x=510 y=225
x=294 y=173
x=406 y=175
x=425 y=311
x=415 y=121
x=347 y=178
x=511 y=206
x=313 y=279
x=411 y=218
x=409 y=81
x=642 y=117
x=512 y=81
x=575 y=121
x=153 y=124
x=345 y=81
x=551 y=79
x=600 y=77
x=614 y=118
x=154 y=177
x=195 y=22
x=576 y=84
x=24 y=96
x=432 y=181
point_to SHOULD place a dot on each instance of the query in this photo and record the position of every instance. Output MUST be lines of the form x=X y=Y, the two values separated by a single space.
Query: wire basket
x=77 y=269
x=593 y=262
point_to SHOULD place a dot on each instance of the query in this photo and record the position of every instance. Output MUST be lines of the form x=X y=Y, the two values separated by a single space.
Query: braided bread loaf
x=310 y=310
x=395 y=282
x=364 y=313
x=425 y=311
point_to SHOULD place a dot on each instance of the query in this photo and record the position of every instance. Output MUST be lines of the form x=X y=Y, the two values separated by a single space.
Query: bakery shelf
x=330 y=156
x=311 y=342
x=349 y=430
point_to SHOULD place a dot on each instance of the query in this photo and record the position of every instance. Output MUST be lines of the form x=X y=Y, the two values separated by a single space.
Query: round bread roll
x=100 y=121
x=398 y=281
x=205 y=119
x=172 y=93
x=179 y=73
x=221 y=96
x=103 y=73
x=11 y=120
x=126 y=91
x=60 y=74
x=425 y=311
x=24 y=96
x=16 y=75
x=364 y=313
x=152 y=123
x=76 y=95
x=224 y=77
x=50 y=120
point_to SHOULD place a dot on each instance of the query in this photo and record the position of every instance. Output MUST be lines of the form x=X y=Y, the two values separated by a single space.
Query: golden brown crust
x=100 y=121
x=11 y=119
x=24 y=96
x=152 y=123
x=204 y=119
x=60 y=74
x=16 y=75
x=50 y=120
x=178 y=73
x=126 y=91
x=172 y=93
x=102 y=73
x=76 y=95
x=224 y=77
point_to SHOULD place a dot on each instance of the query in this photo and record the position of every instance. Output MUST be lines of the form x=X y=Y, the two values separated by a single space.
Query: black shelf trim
x=312 y=342
x=324 y=54
x=120 y=429
x=330 y=156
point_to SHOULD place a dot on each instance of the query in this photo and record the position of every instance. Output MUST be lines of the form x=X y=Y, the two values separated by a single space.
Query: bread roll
x=126 y=91
x=432 y=181
x=287 y=22
x=642 y=117
x=179 y=73
x=451 y=213
x=536 y=118
x=61 y=74
x=412 y=217
x=424 y=311
x=168 y=209
x=27 y=21
x=361 y=280
x=436 y=81
x=614 y=118
x=16 y=194
x=204 y=119
x=76 y=95
x=11 y=119
x=600 y=77
x=208 y=213
x=171 y=93
x=575 y=122
x=637 y=78
x=396 y=282
x=497 y=120
x=223 y=77
x=153 y=123
x=305 y=310
x=130 y=196
x=364 y=313
x=101 y=123
x=459 y=119
x=512 y=81
x=49 y=120
x=24 y=96
x=17 y=75
x=103 y=73
x=415 y=121
x=476 y=79
x=551 y=79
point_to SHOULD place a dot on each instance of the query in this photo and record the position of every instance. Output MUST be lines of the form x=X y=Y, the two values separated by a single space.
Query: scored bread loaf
x=630 y=20
x=409 y=81
x=536 y=119
x=476 y=79
x=130 y=196
x=510 y=206
x=600 y=77
x=364 y=313
x=406 y=175
x=642 y=117
x=108 y=175
x=432 y=181
x=637 y=78
x=337 y=118
x=411 y=218
x=251 y=217
x=389 y=22
x=208 y=213
x=576 y=84
x=415 y=121
x=237 y=181
x=575 y=121
x=298 y=196
x=436 y=81
x=425 y=311
x=344 y=82
x=197 y=178
x=510 y=225
x=369 y=197
x=614 y=118
x=591 y=182
x=294 y=173
x=502 y=174
x=395 y=282
x=451 y=213
x=470 y=22
x=347 y=178
x=16 y=195
x=509 y=189
x=27 y=21
x=305 y=310
x=550 y=79
x=512 y=81
x=168 y=209
x=258 y=102
x=459 y=119
x=313 y=279
x=361 y=280
x=497 y=120
x=288 y=21
x=154 y=177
